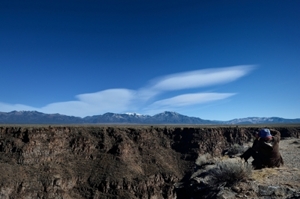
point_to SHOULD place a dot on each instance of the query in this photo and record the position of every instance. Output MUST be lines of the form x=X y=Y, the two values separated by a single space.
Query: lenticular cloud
x=148 y=97
x=200 y=78
x=191 y=99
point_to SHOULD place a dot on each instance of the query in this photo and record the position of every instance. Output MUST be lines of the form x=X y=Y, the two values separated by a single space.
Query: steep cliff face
x=105 y=162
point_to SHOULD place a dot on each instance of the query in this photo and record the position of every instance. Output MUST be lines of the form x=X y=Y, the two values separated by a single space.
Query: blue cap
x=263 y=133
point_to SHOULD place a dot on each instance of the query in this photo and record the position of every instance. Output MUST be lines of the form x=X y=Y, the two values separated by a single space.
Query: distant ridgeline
x=167 y=117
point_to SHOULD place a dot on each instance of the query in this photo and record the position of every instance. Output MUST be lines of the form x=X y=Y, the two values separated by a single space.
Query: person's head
x=265 y=134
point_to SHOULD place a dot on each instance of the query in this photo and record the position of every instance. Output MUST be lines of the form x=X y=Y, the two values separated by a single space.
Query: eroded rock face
x=105 y=162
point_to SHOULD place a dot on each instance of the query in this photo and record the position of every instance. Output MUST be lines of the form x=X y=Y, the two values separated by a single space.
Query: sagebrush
x=230 y=172
x=235 y=149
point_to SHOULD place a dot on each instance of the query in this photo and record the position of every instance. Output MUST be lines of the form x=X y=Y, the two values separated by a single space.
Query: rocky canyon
x=138 y=162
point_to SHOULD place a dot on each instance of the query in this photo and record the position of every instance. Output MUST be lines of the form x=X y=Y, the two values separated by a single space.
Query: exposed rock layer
x=108 y=162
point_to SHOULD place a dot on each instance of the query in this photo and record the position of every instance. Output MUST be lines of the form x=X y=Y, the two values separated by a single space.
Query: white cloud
x=201 y=78
x=125 y=100
x=4 y=107
x=111 y=100
x=188 y=100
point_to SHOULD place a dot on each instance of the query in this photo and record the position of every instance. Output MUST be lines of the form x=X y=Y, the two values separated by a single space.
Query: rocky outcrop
x=106 y=162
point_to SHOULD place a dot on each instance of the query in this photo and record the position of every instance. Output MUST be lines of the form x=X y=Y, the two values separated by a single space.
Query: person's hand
x=268 y=138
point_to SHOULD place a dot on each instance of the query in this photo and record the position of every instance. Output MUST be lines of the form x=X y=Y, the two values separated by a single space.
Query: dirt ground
x=287 y=175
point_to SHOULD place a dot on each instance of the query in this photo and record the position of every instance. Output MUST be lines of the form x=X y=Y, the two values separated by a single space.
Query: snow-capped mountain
x=262 y=120
x=133 y=114
x=176 y=118
x=116 y=118
x=167 y=117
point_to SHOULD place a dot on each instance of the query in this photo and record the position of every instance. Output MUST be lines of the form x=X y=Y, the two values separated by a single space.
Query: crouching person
x=265 y=150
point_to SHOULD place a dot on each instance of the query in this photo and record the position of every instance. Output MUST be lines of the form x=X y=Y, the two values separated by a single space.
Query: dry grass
x=230 y=172
x=261 y=174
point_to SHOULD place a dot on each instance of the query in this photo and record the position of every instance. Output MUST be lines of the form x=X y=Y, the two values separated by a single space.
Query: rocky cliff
x=107 y=162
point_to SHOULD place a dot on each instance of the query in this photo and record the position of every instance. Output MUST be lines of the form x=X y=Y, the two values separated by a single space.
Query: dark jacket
x=268 y=151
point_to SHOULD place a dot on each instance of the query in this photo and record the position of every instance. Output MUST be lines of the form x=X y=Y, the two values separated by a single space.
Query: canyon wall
x=108 y=162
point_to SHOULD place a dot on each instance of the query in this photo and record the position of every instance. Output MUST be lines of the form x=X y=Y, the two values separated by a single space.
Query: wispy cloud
x=126 y=100
x=200 y=78
x=190 y=99
x=185 y=100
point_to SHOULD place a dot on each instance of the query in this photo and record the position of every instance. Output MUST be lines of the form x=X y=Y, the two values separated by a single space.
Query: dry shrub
x=203 y=159
x=235 y=149
x=230 y=172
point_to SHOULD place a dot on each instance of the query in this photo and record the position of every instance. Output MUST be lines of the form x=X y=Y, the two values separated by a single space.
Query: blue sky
x=210 y=59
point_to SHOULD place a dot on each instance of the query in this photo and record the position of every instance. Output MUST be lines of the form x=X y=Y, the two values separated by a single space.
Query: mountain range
x=167 y=117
